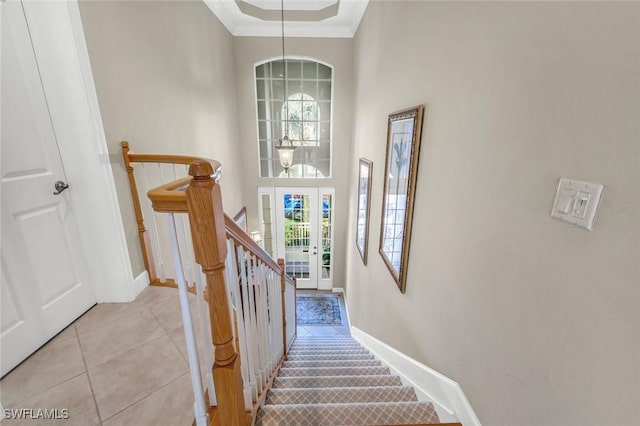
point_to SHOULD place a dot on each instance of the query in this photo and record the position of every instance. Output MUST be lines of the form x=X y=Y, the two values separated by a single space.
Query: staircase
x=336 y=381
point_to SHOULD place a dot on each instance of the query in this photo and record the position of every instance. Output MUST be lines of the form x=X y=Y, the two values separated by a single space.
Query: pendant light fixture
x=285 y=149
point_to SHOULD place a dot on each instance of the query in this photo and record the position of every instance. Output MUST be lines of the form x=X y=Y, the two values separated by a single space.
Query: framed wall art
x=241 y=218
x=364 y=206
x=400 y=169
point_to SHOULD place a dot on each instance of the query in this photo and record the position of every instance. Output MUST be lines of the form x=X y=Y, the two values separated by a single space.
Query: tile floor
x=118 y=364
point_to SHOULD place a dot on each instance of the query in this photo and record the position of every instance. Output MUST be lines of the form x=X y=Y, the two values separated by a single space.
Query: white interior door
x=44 y=278
x=304 y=235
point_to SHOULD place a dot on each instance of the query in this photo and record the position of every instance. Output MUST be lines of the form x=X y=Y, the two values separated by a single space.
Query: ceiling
x=303 y=18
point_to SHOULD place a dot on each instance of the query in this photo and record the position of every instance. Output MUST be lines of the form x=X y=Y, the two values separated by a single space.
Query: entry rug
x=318 y=310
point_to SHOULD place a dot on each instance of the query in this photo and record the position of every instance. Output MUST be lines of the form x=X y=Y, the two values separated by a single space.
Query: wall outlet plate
x=577 y=202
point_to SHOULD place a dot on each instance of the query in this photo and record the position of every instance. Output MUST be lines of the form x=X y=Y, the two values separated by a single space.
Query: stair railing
x=246 y=301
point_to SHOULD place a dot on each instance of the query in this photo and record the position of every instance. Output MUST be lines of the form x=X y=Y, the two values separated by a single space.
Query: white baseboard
x=444 y=392
x=337 y=290
x=140 y=283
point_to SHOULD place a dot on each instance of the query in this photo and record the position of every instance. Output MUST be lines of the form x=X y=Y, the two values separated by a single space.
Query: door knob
x=60 y=186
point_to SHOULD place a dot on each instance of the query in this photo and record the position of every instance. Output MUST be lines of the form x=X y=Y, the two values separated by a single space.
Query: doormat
x=318 y=310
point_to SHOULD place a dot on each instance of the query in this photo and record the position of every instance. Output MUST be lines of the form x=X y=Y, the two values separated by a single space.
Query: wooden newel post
x=145 y=244
x=206 y=217
x=283 y=289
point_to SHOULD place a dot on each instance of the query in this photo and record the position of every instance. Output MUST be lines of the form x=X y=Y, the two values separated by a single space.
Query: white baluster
x=249 y=312
x=192 y=349
x=262 y=317
x=155 y=239
x=234 y=281
x=205 y=330
x=254 y=307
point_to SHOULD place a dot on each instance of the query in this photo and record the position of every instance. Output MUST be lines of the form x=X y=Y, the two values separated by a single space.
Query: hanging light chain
x=284 y=74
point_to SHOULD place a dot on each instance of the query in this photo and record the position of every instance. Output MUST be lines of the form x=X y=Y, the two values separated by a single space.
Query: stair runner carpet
x=331 y=381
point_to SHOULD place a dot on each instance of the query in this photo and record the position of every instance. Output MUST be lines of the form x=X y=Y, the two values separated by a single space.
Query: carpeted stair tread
x=328 y=351
x=329 y=356
x=344 y=339
x=325 y=341
x=326 y=346
x=333 y=363
x=387 y=413
x=336 y=381
x=341 y=395
x=333 y=371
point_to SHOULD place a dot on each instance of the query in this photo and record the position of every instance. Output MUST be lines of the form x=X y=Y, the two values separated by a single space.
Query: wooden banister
x=145 y=243
x=168 y=199
x=208 y=232
x=199 y=196
x=172 y=159
x=240 y=236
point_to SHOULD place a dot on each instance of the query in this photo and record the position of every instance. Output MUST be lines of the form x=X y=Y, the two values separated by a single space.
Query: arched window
x=306 y=116
x=303 y=119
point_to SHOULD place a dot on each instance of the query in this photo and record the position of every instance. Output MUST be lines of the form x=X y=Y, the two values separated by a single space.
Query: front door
x=304 y=219
x=44 y=284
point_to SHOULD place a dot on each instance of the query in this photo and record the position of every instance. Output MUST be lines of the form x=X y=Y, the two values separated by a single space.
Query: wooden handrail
x=134 y=157
x=170 y=197
x=239 y=235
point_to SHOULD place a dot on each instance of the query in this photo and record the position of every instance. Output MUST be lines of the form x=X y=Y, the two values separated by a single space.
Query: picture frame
x=404 y=130
x=241 y=218
x=364 y=208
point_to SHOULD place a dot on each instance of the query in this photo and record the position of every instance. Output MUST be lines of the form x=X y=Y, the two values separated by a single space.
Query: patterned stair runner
x=336 y=381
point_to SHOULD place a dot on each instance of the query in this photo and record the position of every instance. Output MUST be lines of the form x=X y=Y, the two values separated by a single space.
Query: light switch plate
x=577 y=202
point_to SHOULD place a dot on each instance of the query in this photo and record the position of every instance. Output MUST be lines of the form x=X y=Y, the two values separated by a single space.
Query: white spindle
x=250 y=325
x=290 y=300
x=259 y=302
x=155 y=239
x=205 y=331
x=192 y=349
x=234 y=282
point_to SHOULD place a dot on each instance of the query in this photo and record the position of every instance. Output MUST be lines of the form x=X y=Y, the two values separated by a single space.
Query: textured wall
x=165 y=82
x=536 y=319
x=338 y=53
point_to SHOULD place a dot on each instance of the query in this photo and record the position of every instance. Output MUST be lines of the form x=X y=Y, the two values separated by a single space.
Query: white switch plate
x=577 y=202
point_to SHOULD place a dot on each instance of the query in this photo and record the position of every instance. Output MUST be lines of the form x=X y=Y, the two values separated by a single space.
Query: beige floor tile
x=170 y=405
x=104 y=313
x=177 y=336
x=107 y=340
x=51 y=365
x=130 y=377
x=73 y=395
x=169 y=313
x=67 y=333
x=153 y=294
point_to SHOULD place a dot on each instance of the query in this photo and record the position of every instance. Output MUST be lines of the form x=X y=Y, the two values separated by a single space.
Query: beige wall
x=536 y=319
x=165 y=82
x=338 y=53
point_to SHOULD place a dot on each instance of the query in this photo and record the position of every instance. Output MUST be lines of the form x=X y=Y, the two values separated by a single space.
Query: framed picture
x=241 y=218
x=364 y=193
x=400 y=170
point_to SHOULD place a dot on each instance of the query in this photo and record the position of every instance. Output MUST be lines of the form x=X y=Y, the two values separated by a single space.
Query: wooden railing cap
x=201 y=170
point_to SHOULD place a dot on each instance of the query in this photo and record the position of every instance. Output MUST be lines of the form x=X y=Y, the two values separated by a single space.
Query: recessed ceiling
x=303 y=18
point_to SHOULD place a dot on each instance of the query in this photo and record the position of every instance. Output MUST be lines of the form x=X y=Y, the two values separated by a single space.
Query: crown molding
x=344 y=25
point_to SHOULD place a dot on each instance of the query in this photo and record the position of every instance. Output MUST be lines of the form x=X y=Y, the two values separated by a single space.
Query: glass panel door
x=297 y=219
